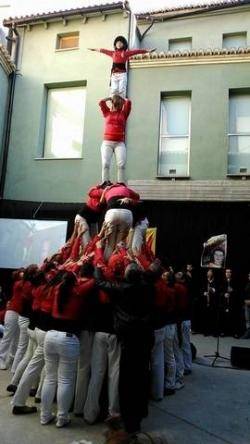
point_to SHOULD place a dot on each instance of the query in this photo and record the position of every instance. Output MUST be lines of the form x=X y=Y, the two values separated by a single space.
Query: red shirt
x=120 y=191
x=182 y=297
x=164 y=296
x=115 y=121
x=46 y=303
x=122 y=56
x=76 y=303
x=15 y=302
x=2 y=315
x=38 y=295
x=93 y=201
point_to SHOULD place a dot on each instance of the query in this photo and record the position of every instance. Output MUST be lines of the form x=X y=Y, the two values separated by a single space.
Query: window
x=239 y=134
x=180 y=44
x=64 y=122
x=68 y=41
x=235 y=40
x=174 y=136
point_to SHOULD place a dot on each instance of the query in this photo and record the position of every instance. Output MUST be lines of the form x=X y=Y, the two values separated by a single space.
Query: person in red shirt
x=9 y=341
x=120 y=56
x=119 y=218
x=70 y=309
x=115 y=117
x=90 y=213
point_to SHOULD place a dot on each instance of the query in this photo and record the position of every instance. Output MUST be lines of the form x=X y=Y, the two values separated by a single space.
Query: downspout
x=126 y=8
x=9 y=108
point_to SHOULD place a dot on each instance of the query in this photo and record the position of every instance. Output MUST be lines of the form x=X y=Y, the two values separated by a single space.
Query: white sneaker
x=179 y=385
x=47 y=421
x=3 y=366
x=62 y=422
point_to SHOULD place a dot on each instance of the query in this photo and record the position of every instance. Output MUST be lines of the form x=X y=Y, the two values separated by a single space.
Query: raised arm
x=127 y=107
x=102 y=50
x=133 y=52
x=104 y=107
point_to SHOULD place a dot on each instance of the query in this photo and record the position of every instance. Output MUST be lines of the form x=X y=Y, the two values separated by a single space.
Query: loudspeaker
x=240 y=357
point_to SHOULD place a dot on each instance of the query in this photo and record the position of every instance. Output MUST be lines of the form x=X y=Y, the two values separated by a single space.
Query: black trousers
x=135 y=378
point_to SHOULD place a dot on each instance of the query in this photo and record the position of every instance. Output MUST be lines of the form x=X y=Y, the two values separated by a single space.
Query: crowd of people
x=104 y=315
x=221 y=304
x=99 y=313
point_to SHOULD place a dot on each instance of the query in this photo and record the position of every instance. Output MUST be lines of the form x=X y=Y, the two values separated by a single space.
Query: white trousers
x=157 y=365
x=118 y=221
x=23 y=323
x=170 y=363
x=118 y=84
x=178 y=354
x=40 y=386
x=26 y=359
x=83 y=370
x=139 y=236
x=8 y=344
x=1 y=330
x=186 y=347
x=109 y=148
x=61 y=355
x=32 y=371
x=106 y=354
x=84 y=225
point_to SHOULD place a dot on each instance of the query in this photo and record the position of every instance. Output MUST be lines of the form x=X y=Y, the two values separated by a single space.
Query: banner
x=151 y=239
x=214 y=252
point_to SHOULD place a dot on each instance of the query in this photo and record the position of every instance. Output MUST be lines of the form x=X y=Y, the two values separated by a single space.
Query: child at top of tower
x=120 y=56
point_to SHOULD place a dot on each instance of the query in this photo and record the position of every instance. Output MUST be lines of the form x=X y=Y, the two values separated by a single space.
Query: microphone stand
x=217 y=354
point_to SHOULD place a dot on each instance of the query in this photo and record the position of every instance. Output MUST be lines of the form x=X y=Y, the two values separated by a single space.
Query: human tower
x=123 y=206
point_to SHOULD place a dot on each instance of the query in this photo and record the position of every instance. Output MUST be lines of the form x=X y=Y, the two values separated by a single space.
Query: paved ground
x=213 y=408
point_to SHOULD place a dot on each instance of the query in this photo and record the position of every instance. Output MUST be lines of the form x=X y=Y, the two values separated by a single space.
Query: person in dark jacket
x=133 y=301
x=247 y=308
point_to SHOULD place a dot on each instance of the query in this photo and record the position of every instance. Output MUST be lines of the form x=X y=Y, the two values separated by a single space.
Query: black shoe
x=169 y=392
x=187 y=372
x=23 y=410
x=33 y=392
x=11 y=388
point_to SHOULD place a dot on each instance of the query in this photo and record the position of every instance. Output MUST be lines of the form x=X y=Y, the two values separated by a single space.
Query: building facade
x=7 y=68
x=188 y=136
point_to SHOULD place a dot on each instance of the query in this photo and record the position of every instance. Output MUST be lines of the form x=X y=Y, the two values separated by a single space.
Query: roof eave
x=5 y=61
x=162 y=15
x=50 y=16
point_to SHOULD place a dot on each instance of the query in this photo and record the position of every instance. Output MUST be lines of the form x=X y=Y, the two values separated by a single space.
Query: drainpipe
x=126 y=7
x=9 y=106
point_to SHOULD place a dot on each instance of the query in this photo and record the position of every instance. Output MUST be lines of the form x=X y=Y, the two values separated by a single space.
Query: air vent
x=243 y=170
x=172 y=171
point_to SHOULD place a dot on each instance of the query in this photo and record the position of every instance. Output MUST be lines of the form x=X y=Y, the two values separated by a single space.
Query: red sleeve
x=134 y=195
x=95 y=192
x=132 y=52
x=104 y=108
x=98 y=258
x=107 y=52
x=85 y=286
x=127 y=108
x=65 y=252
x=75 y=249
x=2 y=314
